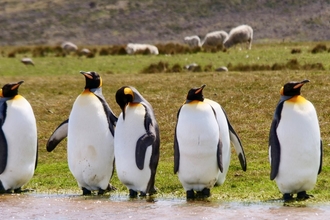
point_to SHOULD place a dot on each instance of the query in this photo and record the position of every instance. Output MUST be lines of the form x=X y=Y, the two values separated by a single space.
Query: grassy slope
x=248 y=97
x=119 y=22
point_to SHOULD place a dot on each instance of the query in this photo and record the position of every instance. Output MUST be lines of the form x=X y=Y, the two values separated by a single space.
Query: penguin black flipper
x=274 y=144
x=58 y=135
x=321 y=156
x=154 y=162
x=3 y=141
x=176 y=149
x=219 y=156
x=112 y=119
x=144 y=141
x=219 y=146
x=36 y=163
x=3 y=152
x=235 y=140
x=142 y=144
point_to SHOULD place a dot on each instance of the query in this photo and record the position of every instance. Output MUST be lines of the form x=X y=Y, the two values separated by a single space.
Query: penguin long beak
x=200 y=89
x=86 y=74
x=301 y=83
x=16 y=85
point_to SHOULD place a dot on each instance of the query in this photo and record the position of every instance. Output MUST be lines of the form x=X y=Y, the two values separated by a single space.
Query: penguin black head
x=10 y=89
x=93 y=80
x=292 y=88
x=124 y=95
x=195 y=94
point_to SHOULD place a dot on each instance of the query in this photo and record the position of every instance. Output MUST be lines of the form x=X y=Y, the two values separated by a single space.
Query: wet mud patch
x=53 y=206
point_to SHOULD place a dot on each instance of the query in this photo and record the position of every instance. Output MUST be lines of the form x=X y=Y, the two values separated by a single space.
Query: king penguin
x=228 y=136
x=295 y=145
x=18 y=139
x=198 y=149
x=137 y=142
x=90 y=132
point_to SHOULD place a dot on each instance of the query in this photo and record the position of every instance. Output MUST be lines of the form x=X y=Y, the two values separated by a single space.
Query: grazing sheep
x=191 y=66
x=69 y=47
x=222 y=69
x=193 y=41
x=239 y=34
x=85 y=51
x=133 y=48
x=27 y=61
x=214 y=38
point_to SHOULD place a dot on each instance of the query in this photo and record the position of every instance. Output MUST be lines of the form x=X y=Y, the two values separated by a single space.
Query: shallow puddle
x=51 y=206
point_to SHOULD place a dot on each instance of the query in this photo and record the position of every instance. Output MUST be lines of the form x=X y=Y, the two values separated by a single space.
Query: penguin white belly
x=225 y=139
x=128 y=131
x=299 y=136
x=90 y=143
x=20 y=130
x=198 y=136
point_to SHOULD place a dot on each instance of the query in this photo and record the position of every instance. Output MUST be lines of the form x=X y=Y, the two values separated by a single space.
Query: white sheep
x=193 y=41
x=215 y=38
x=239 y=34
x=85 y=51
x=27 y=61
x=133 y=48
x=69 y=47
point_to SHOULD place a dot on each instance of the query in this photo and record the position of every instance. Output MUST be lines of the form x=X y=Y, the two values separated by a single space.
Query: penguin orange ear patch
x=128 y=91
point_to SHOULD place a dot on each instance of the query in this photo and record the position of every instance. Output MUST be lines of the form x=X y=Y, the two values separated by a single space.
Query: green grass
x=249 y=99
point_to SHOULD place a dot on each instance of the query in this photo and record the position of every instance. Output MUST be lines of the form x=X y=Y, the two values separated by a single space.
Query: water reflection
x=72 y=206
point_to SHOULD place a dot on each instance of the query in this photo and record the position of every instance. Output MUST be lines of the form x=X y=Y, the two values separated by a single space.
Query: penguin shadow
x=100 y=192
x=16 y=191
x=291 y=202
x=149 y=199
x=198 y=196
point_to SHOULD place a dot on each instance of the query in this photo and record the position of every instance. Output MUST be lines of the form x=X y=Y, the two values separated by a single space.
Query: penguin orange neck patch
x=134 y=104
x=194 y=102
x=17 y=97
x=86 y=92
x=297 y=99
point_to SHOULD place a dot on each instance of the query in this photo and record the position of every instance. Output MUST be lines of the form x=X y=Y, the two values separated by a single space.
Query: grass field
x=248 y=97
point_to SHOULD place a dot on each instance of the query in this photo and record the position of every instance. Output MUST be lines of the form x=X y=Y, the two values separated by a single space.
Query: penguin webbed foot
x=3 y=190
x=287 y=197
x=152 y=191
x=303 y=196
x=190 y=194
x=20 y=190
x=133 y=193
x=86 y=192
x=205 y=193
x=8 y=191
x=111 y=188
x=108 y=189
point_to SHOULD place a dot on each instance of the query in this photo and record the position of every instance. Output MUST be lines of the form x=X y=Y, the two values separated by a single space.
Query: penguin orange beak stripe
x=301 y=83
x=298 y=85
x=88 y=76
x=200 y=89
x=14 y=87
